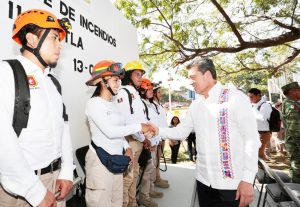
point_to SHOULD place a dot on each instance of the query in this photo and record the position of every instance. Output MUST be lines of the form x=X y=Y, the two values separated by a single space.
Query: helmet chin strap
x=36 y=51
x=109 y=88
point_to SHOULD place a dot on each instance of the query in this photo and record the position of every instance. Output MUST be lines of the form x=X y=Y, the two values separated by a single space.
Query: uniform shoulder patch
x=32 y=81
x=120 y=100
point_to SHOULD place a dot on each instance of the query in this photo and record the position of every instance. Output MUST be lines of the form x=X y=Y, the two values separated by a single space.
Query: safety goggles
x=116 y=69
x=65 y=24
x=156 y=85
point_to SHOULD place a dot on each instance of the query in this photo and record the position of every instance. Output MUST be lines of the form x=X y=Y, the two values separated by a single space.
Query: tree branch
x=287 y=60
x=294 y=9
x=154 y=54
x=273 y=69
x=158 y=24
x=163 y=16
x=228 y=20
x=289 y=27
x=263 y=43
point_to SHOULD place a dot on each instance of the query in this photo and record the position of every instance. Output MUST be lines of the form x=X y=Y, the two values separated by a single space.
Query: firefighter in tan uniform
x=39 y=162
x=162 y=117
x=104 y=187
x=147 y=191
x=133 y=113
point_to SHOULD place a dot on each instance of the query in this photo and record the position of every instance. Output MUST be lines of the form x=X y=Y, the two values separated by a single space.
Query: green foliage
x=144 y=23
x=175 y=29
x=176 y=96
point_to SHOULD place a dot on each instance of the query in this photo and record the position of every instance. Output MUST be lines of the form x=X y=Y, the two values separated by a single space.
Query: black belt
x=55 y=165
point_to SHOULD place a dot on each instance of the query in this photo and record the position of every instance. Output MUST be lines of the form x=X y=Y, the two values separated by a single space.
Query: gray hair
x=203 y=65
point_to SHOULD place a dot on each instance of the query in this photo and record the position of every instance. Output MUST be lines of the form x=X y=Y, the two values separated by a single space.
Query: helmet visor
x=65 y=24
x=116 y=69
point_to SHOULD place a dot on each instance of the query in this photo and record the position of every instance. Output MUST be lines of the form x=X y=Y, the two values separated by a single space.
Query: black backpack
x=22 y=96
x=274 y=121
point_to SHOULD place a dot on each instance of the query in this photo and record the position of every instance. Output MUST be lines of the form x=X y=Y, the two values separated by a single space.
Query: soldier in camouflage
x=291 y=121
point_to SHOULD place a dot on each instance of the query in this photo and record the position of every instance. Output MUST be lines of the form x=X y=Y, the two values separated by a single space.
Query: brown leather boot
x=147 y=202
x=154 y=194
x=161 y=184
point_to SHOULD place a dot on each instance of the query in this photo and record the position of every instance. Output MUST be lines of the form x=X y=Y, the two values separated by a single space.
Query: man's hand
x=244 y=192
x=147 y=129
x=154 y=128
x=149 y=134
x=63 y=187
x=147 y=143
x=48 y=201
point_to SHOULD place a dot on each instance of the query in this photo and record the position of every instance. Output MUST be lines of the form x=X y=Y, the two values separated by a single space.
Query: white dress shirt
x=242 y=138
x=46 y=137
x=262 y=115
x=123 y=105
x=107 y=125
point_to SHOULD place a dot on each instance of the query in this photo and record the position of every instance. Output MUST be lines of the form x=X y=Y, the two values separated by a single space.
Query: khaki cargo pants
x=8 y=200
x=129 y=180
x=103 y=188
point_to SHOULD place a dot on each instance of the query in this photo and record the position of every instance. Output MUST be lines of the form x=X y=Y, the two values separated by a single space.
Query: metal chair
x=78 y=199
x=292 y=190
x=80 y=155
x=281 y=191
x=263 y=176
x=287 y=204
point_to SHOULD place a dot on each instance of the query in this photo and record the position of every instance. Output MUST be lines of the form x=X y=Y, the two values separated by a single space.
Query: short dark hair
x=32 y=28
x=126 y=80
x=142 y=93
x=203 y=65
x=255 y=91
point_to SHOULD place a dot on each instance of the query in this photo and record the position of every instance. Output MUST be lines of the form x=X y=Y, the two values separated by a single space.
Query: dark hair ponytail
x=97 y=90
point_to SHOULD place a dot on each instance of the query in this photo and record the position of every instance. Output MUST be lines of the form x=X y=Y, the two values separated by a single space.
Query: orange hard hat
x=105 y=68
x=41 y=18
x=146 y=84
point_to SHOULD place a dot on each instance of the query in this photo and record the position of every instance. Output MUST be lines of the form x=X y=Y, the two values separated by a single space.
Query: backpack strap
x=58 y=87
x=130 y=99
x=258 y=108
x=156 y=107
x=22 y=96
x=146 y=110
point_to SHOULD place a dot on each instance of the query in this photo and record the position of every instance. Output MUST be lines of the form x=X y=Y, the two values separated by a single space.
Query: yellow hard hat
x=134 y=65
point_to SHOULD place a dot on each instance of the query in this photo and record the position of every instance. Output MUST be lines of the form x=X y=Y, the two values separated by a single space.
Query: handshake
x=149 y=130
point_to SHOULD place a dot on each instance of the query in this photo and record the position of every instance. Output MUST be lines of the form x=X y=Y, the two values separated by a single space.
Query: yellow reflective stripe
x=101 y=68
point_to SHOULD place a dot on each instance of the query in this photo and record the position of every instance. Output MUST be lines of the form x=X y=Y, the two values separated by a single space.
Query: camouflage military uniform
x=291 y=121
